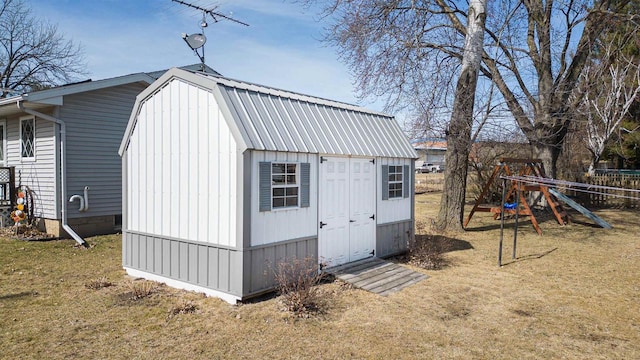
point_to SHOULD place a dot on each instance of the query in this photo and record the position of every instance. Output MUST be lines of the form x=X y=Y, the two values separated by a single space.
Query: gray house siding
x=38 y=174
x=95 y=124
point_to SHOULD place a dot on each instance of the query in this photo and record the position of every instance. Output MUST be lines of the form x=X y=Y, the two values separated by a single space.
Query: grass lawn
x=572 y=293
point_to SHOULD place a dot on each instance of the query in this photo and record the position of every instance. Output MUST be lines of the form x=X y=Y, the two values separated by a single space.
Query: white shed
x=222 y=179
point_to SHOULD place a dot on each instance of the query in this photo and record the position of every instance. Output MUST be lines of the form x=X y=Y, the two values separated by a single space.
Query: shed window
x=395 y=182
x=27 y=138
x=284 y=185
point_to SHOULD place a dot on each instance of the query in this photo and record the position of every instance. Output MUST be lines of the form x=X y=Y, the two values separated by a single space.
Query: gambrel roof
x=265 y=118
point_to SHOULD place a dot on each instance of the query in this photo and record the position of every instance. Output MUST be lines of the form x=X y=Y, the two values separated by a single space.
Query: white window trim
x=3 y=133
x=401 y=182
x=298 y=185
x=33 y=158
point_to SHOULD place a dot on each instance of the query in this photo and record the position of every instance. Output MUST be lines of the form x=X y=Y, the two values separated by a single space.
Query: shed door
x=347 y=210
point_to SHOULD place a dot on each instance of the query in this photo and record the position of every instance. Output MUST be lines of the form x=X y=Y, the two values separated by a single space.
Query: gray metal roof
x=277 y=120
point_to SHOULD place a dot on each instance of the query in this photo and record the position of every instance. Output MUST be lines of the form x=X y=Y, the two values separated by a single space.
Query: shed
x=223 y=179
x=64 y=140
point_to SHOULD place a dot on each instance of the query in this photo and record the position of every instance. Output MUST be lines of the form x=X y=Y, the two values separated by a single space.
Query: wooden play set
x=527 y=167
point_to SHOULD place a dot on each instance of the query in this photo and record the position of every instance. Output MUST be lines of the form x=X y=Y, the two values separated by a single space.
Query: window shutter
x=265 y=186
x=385 y=182
x=305 y=184
x=405 y=181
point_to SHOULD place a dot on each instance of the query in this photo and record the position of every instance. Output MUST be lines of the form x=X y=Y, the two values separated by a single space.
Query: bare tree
x=411 y=50
x=33 y=54
x=459 y=133
x=608 y=90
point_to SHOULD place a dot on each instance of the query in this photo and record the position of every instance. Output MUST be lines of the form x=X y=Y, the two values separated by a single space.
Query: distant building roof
x=436 y=144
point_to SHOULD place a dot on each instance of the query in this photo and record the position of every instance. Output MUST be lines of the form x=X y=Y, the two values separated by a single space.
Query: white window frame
x=396 y=187
x=3 y=142
x=286 y=186
x=28 y=158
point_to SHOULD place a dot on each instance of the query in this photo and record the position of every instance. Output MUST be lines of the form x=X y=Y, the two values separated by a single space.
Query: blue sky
x=280 y=48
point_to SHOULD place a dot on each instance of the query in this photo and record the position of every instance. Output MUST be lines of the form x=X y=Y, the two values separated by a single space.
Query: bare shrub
x=428 y=252
x=141 y=289
x=296 y=282
x=184 y=307
x=421 y=226
x=98 y=283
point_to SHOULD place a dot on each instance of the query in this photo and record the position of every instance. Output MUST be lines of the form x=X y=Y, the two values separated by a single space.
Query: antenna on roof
x=197 y=41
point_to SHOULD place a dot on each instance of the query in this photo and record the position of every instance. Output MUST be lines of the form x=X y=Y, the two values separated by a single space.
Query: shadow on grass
x=543 y=217
x=530 y=257
x=427 y=251
x=15 y=296
x=447 y=244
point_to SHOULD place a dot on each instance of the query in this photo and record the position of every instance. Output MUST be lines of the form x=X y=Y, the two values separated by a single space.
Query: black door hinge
x=322 y=224
x=372 y=217
x=322 y=159
x=373 y=161
x=373 y=252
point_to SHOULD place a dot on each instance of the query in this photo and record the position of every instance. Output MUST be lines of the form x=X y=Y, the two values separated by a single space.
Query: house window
x=27 y=138
x=395 y=181
x=284 y=185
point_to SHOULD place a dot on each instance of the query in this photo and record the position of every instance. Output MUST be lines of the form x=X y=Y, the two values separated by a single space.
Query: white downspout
x=63 y=174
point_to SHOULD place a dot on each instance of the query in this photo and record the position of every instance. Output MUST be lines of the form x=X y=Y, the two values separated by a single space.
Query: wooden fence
x=599 y=198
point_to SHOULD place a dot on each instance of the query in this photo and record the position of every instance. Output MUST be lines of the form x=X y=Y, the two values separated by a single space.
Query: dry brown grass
x=429 y=182
x=572 y=293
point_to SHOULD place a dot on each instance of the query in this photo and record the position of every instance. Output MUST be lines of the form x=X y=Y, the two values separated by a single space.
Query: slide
x=584 y=211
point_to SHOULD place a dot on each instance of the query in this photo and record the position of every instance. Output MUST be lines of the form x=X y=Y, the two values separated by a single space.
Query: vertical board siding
x=289 y=223
x=199 y=264
x=182 y=168
x=397 y=209
x=96 y=121
x=39 y=174
x=393 y=238
x=261 y=263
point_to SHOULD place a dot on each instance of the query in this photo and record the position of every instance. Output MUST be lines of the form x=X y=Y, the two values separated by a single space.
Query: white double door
x=347 y=221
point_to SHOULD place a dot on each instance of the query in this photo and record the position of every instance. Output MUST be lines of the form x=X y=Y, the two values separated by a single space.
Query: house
x=63 y=145
x=431 y=151
x=223 y=179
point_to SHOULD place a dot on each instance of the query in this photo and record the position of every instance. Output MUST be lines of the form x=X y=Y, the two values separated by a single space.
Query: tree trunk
x=593 y=164
x=451 y=212
x=549 y=155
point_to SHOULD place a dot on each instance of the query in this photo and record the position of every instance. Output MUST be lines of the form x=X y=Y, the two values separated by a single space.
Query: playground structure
x=530 y=178
x=518 y=192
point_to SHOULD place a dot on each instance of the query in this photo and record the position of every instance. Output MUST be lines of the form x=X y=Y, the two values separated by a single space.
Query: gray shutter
x=305 y=183
x=385 y=182
x=265 y=186
x=406 y=181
